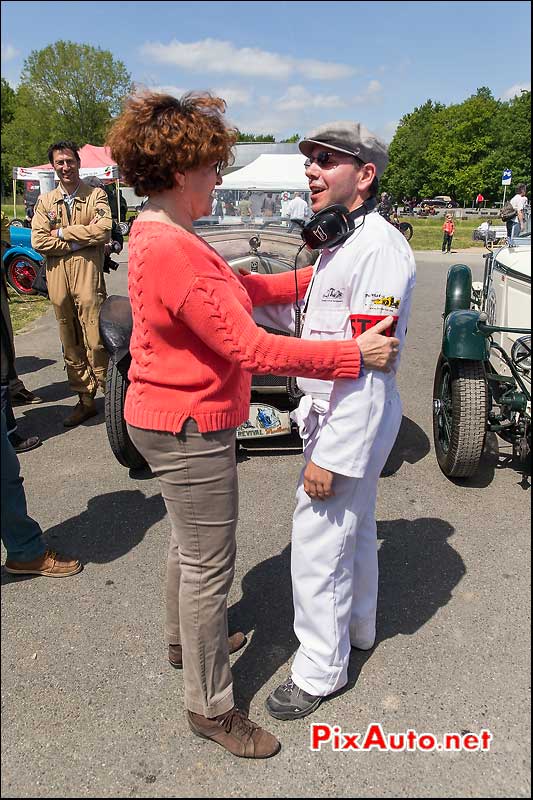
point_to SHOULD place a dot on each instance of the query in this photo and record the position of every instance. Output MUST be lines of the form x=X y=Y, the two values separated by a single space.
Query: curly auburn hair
x=157 y=135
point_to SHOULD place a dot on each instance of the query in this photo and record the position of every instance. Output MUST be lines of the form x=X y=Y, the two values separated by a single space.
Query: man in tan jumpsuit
x=70 y=227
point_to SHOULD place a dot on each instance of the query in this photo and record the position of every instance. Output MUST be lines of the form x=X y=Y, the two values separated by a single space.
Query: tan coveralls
x=75 y=278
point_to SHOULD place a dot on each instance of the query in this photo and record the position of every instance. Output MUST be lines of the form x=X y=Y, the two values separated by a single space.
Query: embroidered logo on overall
x=333 y=295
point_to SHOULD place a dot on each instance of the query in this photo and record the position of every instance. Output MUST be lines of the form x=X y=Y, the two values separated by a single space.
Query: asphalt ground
x=90 y=706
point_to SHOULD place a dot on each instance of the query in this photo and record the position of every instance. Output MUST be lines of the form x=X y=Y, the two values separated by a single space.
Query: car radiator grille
x=270 y=380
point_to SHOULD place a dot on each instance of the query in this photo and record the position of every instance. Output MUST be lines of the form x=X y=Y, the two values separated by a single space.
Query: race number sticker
x=362 y=322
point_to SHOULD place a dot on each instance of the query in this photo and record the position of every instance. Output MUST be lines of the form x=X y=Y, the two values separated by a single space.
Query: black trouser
x=447 y=242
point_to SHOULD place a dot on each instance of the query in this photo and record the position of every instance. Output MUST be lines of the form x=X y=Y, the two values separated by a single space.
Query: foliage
x=461 y=149
x=67 y=91
x=292 y=139
x=252 y=137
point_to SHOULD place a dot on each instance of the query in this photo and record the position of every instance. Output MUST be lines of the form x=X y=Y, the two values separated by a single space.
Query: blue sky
x=285 y=67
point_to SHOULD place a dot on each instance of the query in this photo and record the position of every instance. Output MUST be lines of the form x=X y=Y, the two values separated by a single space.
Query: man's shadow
x=27 y=364
x=111 y=526
x=411 y=445
x=47 y=422
x=418 y=572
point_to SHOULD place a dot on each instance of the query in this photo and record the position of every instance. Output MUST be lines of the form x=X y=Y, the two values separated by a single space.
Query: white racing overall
x=349 y=428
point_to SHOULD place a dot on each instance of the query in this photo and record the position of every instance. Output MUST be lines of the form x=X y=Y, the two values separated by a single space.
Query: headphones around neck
x=333 y=225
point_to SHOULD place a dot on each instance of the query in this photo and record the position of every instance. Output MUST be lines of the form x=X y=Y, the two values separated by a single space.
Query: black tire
x=17 y=223
x=407 y=229
x=21 y=271
x=115 y=396
x=124 y=227
x=460 y=409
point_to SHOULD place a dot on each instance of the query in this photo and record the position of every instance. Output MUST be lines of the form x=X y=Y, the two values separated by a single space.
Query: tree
x=292 y=139
x=8 y=110
x=252 y=137
x=67 y=91
x=408 y=169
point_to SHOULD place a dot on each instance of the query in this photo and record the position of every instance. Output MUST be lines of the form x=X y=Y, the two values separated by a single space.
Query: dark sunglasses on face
x=325 y=160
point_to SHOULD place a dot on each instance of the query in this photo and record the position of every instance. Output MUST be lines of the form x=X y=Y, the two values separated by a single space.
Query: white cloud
x=298 y=98
x=214 y=55
x=323 y=70
x=515 y=90
x=9 y=53
x=370 y=95
x=233 y=96
x=388 y=130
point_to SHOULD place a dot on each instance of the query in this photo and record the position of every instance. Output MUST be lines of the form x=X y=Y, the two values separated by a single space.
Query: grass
x=25 y=310
x=427 y=233
x=7 y=208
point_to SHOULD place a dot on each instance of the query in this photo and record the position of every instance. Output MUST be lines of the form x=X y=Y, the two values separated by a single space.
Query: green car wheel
x=460 y=409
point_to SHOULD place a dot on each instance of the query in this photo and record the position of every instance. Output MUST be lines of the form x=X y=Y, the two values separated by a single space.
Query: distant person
x=27 y=553
x=245 y=208
x=284 y=206
x=384 y=206
x=70 y=227
x=297 y=211
x=519 y=203
x=448 y=231
x=269 y=205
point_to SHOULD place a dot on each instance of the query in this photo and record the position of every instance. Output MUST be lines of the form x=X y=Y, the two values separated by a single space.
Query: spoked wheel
x=20 y=273
x=115 y=397
x=460 y=409
x=407 y=229
x=17 y=223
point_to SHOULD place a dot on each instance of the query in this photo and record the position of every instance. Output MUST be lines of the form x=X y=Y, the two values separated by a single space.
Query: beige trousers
x=77 y=291
x=198 y=478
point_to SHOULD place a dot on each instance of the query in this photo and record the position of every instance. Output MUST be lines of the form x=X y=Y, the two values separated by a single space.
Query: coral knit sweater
x=195 y=345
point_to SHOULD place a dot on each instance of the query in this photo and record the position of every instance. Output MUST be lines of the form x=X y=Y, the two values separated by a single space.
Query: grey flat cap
x=352 y=138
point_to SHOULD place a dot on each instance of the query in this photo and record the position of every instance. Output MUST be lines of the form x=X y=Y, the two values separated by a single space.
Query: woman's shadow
x=418 y=572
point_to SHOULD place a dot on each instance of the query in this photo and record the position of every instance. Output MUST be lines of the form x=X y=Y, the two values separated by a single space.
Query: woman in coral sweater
x=194 y=348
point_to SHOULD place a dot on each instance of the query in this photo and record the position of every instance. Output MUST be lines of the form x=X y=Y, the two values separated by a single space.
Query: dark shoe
x=50 y=564
x=236 y=733
x=288 y=701
x=175 y=654
x=24 y=397
x=21 y=445
x=81 y=412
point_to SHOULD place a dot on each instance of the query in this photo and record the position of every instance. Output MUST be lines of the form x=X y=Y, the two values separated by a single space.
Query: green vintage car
x=483 y=375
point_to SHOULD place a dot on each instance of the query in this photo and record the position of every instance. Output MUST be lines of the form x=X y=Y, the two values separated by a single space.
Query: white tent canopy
x=275 y=173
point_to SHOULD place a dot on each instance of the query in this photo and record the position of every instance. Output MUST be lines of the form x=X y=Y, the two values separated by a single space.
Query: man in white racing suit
x=348 y=427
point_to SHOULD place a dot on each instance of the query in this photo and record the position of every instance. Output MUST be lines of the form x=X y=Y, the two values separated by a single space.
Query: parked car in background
x=439 y=201
x=21 y=262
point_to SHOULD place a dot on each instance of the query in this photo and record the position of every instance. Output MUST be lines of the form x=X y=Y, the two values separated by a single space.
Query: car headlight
x=521 y=353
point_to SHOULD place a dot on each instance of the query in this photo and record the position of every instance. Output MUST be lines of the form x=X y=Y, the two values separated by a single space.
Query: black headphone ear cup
x=328 y=227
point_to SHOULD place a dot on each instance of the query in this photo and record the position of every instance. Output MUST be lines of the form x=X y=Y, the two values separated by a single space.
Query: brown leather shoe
x=82 y=411
x=236 y=733
x=175 y=652
x=50 y=564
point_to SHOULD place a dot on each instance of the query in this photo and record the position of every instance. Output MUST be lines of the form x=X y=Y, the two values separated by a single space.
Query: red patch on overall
x=362 y=322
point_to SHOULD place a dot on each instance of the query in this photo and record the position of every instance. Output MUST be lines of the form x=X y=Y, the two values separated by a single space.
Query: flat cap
x=352 y=138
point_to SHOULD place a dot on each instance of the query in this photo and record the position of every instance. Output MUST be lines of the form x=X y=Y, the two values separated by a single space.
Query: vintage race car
x=249 y=248
x=21 y=262
x=483 y=376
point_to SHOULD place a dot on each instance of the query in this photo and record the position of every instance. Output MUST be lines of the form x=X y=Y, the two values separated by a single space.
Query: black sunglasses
x=325 y=158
